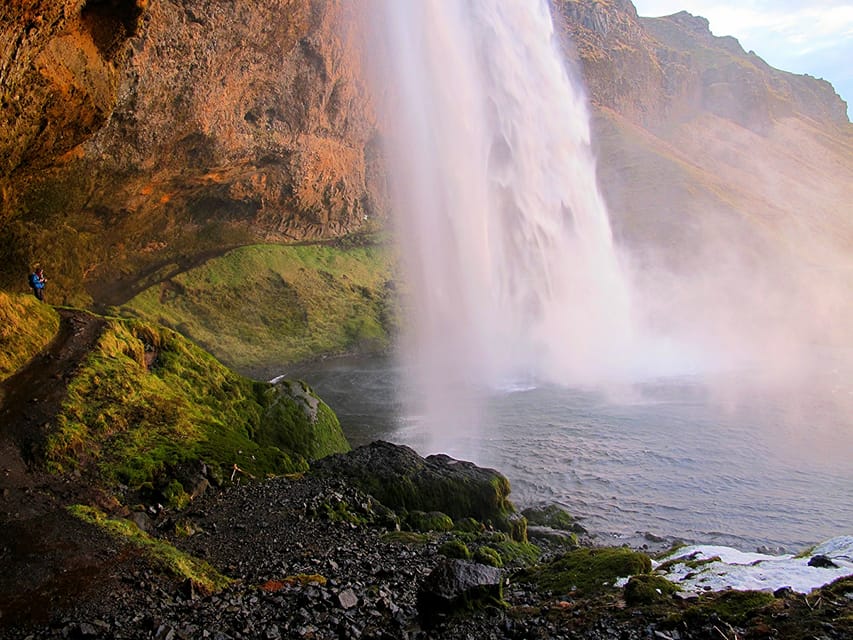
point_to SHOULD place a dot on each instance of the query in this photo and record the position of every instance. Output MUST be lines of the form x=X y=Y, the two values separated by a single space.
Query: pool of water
x=677 y=458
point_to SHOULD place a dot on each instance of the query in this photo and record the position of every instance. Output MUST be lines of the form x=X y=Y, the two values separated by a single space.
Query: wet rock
x=822 y=562
x=141 y=520
x=455 y=584
x=401 y=479
x=552 y=516
x=553 y=535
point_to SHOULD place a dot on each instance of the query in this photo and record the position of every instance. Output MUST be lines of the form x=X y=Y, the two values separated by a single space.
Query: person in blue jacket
x=37 y=282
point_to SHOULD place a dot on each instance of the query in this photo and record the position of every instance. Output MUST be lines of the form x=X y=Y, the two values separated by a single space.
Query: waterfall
x=510 y=270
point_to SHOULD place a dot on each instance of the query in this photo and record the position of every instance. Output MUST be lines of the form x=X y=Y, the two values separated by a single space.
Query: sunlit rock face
x=141 y=131
x=139 y=136
x=656 y=70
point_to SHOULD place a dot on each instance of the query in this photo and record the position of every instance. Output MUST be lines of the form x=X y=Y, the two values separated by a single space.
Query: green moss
x=146 y=400
x=468 y=525
x=734 y=607
x=455 y=548
x=26 y=327
x=589 y=571
x=305 y=579
x=432 y=521
x=647 y=589
x=552 y=516
x=512 y=552
x=406 y=537
x=296 y=419
x=305 y=301
x=488 y=555
x=204 y=576
x=339 y=511
x=175 y=495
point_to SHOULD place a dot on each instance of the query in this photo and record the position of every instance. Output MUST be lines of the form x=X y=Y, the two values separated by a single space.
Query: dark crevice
x=111 y=23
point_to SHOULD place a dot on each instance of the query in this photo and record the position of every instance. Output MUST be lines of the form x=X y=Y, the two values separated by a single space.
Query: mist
x=737 y=270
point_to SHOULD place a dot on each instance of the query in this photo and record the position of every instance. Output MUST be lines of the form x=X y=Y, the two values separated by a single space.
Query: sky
x=801 y=36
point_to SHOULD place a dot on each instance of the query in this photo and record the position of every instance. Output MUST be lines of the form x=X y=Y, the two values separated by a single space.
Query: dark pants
x=39 y=293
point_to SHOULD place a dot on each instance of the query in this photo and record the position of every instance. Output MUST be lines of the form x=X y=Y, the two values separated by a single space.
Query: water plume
x=511 y=272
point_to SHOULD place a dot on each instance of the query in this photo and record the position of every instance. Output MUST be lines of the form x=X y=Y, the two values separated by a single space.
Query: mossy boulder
x=432 y=521
x=645 y=589
x=588 y=572
x=552 y=516
x=468 y=525
x=402 y=480
x=455 y=548
x=488 y=555
x=295 y=419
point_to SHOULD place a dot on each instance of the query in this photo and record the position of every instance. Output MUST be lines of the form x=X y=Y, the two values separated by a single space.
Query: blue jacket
x=36 y=282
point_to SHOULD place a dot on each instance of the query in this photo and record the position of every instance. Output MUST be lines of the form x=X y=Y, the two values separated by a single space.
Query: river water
x=671 y=457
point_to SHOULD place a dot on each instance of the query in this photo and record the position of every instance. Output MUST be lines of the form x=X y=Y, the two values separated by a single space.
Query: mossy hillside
x=178 y=563
x=588 y=572
x=147 y=400
x=26 y=327
x=305 y=301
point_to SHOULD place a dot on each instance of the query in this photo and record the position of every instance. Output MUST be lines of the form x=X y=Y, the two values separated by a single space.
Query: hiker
x=37 y=282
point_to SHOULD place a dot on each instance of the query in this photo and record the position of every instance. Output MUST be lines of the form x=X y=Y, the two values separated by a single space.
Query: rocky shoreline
x=315 y=556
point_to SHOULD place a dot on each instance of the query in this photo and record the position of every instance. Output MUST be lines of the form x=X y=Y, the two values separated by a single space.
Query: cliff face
x=142 y=134
x=656 y=70
x=721 y=172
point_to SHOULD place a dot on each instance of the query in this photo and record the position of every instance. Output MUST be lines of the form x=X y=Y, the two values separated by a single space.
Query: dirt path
x=49 y=558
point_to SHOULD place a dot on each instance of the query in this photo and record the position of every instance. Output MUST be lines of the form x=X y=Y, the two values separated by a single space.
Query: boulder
x=402 y=480
x=458 y=584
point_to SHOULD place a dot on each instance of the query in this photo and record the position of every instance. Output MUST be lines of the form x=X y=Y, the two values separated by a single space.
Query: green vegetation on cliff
x=26 y=327
x=304 y=300
x=178 y=563
x=146 y=400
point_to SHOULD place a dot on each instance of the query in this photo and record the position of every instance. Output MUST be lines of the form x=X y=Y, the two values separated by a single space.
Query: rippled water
x=670 y=457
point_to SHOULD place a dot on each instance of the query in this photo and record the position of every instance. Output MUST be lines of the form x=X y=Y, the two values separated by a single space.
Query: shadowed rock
x=401 y=479
x=456 y=584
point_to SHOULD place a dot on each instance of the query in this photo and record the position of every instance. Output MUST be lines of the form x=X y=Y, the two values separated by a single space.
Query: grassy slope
x=26 y=327
x=147 y=400
x=265 y=305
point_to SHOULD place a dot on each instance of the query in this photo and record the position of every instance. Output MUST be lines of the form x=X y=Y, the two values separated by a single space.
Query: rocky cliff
x=140 y=137
x=728 y=182
x=656 y=70
x=138 y=134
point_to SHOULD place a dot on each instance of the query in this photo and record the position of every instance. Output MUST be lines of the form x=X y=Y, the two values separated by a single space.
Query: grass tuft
x=26 y=327
x=204 y=576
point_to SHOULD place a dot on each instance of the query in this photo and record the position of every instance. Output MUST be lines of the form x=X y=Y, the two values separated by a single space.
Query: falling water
x=510 y=265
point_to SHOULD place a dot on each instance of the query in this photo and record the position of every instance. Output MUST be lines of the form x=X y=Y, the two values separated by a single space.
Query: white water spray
x=505 y=238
